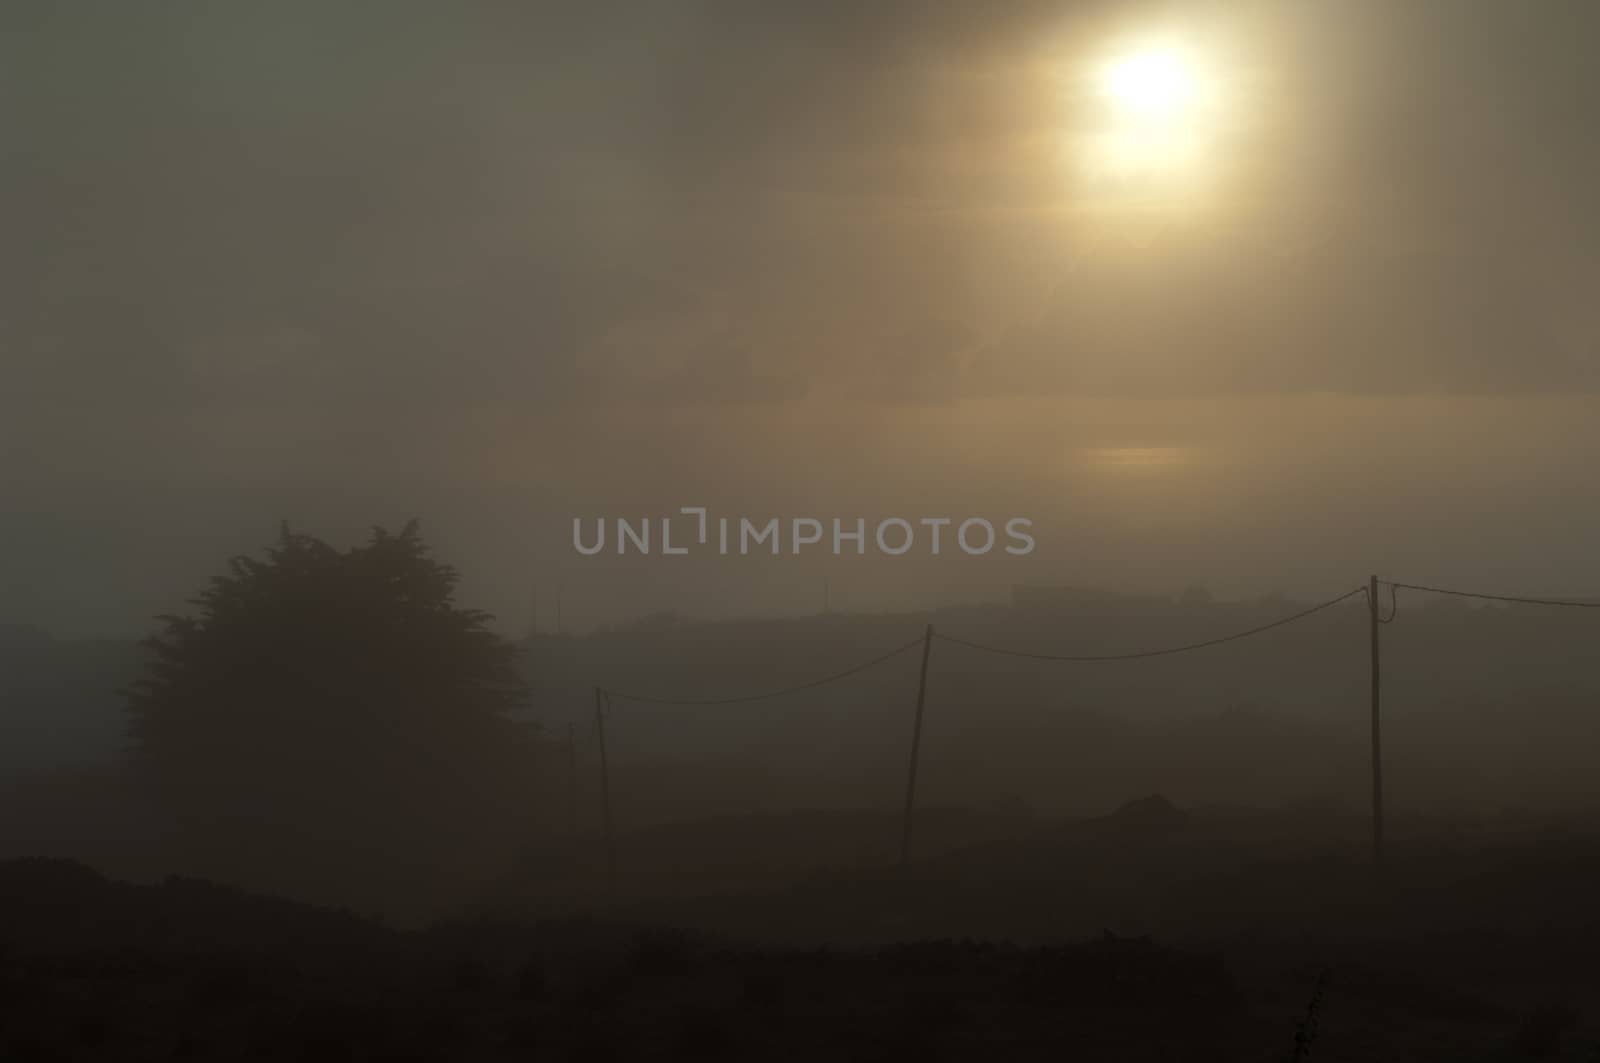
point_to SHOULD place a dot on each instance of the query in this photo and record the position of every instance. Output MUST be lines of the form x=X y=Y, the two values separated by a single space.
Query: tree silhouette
x=332 y=707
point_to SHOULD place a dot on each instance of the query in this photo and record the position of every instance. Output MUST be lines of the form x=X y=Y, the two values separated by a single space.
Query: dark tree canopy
x=333 y=696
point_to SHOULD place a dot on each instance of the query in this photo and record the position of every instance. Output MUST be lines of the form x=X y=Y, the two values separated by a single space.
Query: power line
x=1492 y=597
x=604 y=698
x=1154 y=653
x=771 y=693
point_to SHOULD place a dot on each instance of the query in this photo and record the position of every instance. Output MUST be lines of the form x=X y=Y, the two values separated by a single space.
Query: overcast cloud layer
x=494 y=263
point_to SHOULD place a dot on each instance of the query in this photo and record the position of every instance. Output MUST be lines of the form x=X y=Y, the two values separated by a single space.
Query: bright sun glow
x=1159 y=114
x=1158 y=82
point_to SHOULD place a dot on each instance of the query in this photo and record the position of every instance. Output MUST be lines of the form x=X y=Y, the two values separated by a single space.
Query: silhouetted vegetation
x=334 y=710
x=96 y=969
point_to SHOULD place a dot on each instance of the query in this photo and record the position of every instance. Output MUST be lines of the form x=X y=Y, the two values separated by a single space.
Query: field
x=1153 y=933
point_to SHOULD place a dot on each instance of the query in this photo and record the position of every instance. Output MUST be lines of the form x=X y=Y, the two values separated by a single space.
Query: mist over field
x=1254 y=345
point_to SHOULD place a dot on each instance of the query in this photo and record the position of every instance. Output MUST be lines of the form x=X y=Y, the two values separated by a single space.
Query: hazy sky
x=497 y=265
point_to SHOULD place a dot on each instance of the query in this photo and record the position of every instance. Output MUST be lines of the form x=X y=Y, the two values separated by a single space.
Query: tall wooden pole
x=605 y=790
x=572 y=781
x=1377 y=740
x=916 y=746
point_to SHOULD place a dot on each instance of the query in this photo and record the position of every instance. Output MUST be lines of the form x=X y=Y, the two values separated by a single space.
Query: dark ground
x=1151 y=934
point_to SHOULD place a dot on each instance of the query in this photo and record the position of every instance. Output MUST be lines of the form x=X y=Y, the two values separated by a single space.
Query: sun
x=1159 y=82
x=1158 y=116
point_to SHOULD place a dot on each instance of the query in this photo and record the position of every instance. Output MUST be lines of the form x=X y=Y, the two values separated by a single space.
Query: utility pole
x=916 y=746
x=1377 y=742
x=572 y=781
x=559 y=587
x=605 y=791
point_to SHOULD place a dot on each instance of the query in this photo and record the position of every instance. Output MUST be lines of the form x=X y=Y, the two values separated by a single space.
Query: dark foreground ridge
x=96 y=969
